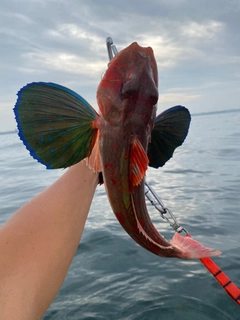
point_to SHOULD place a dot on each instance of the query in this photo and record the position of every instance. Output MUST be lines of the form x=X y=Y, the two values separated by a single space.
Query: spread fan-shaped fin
x=169 y=132
x=55 y=124
x=138 y=163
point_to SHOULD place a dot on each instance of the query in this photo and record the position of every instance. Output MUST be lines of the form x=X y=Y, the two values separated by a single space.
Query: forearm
x=38 y=244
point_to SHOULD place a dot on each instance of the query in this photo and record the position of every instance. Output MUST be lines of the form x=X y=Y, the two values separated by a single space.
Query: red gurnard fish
x=60 y=128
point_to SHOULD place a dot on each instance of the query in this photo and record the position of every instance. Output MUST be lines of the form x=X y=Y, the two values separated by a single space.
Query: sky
x=196 y=45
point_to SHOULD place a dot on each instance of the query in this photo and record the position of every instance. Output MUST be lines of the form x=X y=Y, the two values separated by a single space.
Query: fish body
x=127 y=97
x=60 y=128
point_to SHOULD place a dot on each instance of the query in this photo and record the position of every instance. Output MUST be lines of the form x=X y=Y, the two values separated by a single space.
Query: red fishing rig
x=232 y=290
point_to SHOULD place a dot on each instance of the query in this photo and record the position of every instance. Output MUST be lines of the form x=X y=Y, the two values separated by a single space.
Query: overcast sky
x=196 y=45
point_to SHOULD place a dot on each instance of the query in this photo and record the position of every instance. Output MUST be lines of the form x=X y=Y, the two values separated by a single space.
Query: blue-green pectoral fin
x=55 y=124
x=169 y=132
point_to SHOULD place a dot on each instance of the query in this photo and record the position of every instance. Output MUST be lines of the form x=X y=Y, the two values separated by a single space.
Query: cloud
x=178 y=98
x=62 y=62
x=207 y=31
x=196 y=44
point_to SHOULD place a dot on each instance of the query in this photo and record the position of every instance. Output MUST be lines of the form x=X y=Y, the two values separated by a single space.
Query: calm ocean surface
x=111 y=277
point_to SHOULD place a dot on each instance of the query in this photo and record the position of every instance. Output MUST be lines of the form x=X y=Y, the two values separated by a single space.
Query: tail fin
x=55 y=124
x=192 y=249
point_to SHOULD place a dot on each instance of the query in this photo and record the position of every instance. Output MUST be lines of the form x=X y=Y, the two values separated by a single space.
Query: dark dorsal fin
x=169 y=132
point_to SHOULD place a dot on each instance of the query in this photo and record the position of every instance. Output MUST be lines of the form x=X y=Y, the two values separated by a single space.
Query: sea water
x=111 y=277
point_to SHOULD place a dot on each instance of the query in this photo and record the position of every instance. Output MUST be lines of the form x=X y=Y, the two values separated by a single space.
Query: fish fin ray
x=192 y=249
x=138 y=163
x=170 y=130
x=55 y=124
x=94 y=161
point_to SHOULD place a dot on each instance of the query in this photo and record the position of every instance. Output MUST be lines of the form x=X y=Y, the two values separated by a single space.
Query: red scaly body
x=127 y=97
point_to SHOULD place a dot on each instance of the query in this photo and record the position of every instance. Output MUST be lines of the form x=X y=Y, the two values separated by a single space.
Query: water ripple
x=111 y=277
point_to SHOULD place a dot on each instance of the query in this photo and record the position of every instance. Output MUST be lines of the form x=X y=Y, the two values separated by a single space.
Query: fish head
x=128 y=90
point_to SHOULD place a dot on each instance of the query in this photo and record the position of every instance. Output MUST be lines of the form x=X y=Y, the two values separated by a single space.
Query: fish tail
x=190 y=248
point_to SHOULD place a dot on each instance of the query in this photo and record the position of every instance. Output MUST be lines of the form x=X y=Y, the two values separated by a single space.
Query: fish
x=60 y=128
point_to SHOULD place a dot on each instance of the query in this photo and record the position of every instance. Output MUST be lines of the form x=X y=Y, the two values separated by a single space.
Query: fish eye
x=128 y=91
x=153 y=99
x=121 y=89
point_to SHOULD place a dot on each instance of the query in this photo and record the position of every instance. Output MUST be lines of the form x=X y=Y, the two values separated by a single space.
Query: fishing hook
x=111 y=48
x=150 y=194
x=165 y=213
